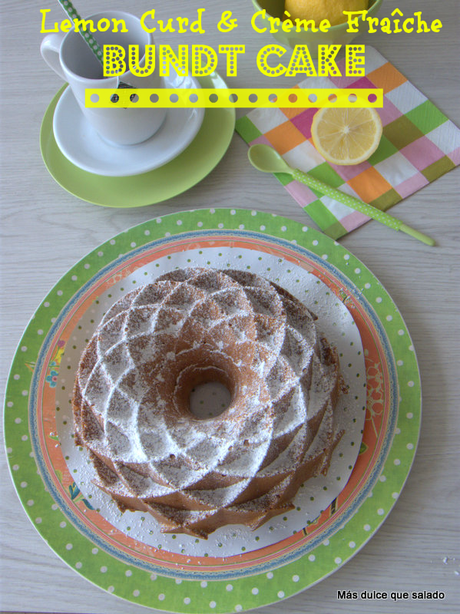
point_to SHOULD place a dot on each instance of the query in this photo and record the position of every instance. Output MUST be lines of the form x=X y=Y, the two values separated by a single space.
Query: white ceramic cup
x=72 y=59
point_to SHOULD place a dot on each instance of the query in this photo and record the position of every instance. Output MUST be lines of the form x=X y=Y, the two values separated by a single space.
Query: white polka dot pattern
x=255 y=590
x=346 y=199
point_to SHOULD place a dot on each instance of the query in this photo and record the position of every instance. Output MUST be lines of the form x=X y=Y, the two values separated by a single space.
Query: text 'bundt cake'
x=192 y=326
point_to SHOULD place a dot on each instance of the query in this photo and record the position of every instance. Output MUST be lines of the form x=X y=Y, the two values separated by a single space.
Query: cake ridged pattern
x=191 y=326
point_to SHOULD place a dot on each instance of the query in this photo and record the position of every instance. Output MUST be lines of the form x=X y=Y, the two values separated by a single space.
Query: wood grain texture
x=44 y=231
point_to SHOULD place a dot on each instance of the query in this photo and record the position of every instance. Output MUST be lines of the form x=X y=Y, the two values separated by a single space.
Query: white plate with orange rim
x=277 y=565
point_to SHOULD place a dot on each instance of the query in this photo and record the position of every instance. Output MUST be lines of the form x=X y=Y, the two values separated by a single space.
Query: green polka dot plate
x=235 y=569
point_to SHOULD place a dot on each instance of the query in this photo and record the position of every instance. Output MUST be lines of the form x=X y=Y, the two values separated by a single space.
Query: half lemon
x=346 y=136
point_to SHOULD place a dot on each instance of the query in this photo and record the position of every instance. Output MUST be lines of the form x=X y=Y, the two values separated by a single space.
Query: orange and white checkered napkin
x=419 y=144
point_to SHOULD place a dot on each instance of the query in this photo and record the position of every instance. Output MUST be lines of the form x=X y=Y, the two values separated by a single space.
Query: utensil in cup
x=92 y=43
x=74 y=61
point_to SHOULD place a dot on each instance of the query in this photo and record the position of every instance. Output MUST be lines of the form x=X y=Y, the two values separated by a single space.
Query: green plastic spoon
x=267 y=160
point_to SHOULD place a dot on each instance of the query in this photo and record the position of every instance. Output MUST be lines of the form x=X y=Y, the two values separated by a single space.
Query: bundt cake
x=191 y=326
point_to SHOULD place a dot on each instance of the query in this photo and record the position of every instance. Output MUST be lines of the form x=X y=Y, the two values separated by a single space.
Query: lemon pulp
x=346 y=136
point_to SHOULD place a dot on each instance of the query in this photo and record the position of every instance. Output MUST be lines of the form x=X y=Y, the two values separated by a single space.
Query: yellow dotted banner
x=234 y=98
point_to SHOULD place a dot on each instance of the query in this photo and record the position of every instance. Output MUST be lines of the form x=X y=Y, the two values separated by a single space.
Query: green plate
x=172 y=576
x=179 y=175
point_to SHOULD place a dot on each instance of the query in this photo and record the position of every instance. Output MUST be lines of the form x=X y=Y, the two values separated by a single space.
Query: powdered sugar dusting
x=220 y=535
x=165 y=350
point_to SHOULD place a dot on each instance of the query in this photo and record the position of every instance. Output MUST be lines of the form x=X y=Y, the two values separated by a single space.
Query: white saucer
x=83 y=146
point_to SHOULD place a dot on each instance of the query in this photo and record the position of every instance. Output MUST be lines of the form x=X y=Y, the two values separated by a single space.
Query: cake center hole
x=209 y=400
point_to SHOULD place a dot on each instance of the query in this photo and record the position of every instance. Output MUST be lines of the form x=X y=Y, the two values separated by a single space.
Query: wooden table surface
x=45 y=230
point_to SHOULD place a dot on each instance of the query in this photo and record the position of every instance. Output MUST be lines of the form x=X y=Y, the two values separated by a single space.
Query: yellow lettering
x=232 y=51
x=422 y=25
x=262 y=60
x=168 y=27
x=262 y=14
x=326 y=60
x=119 y=25
x=196 y=26
x=371 y=21
x=352 y=19
x=397 y=29
x=150 y=14
x=114 y=60
x=43 y=28
x=301 y=25
x=183 y=23
x=198 y=51
x=227 y=23
x=179 y=62
x=355 y=60
x=148 y=65
x=305 y=25
x=406 y=27
x=103 y=24
x=275 y=23
x=287 y=24
x=66 y=25
x=301 y=62
x=385 y=25
x=394 y=24
x=87 y=25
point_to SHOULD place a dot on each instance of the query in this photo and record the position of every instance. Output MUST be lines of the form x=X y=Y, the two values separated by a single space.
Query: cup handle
x=49 y=49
